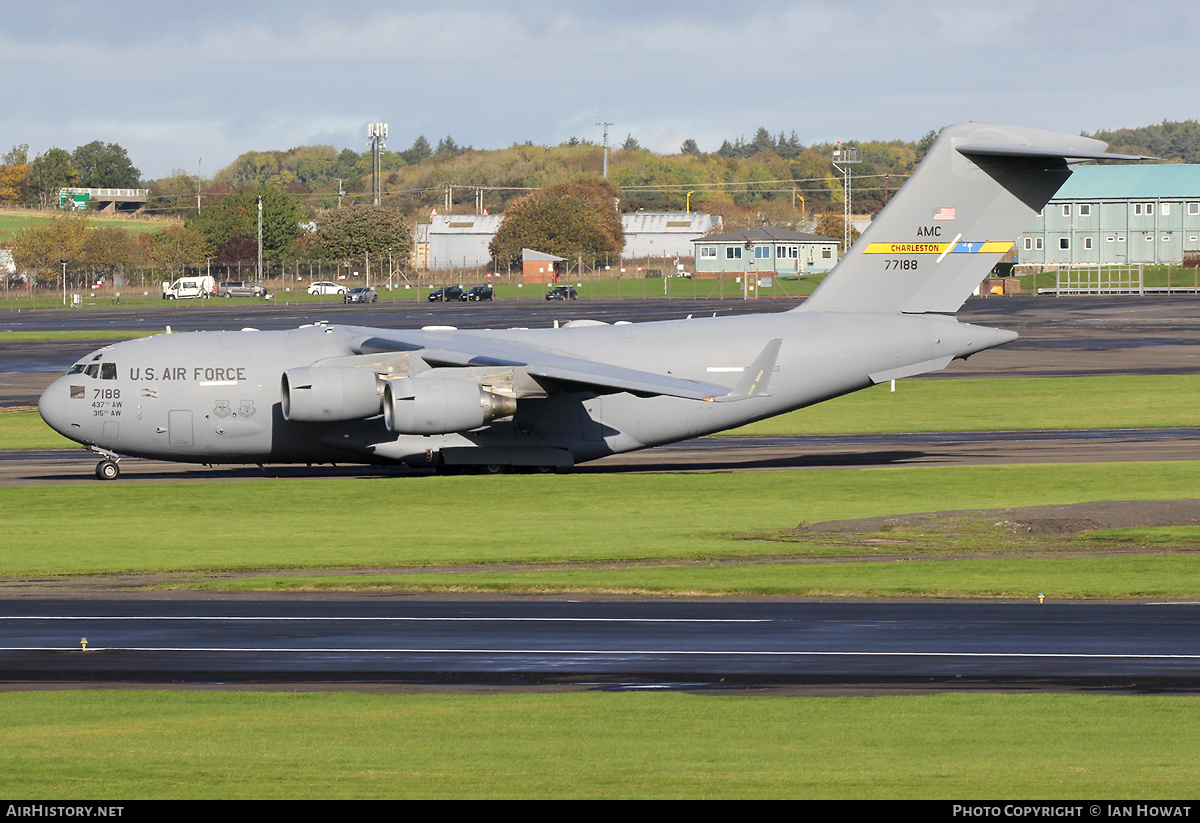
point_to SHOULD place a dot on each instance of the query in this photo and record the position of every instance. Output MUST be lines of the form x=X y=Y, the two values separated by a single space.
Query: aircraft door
x=179 y=427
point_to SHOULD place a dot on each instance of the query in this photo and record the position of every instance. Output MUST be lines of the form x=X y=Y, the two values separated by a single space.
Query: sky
x=191 y=86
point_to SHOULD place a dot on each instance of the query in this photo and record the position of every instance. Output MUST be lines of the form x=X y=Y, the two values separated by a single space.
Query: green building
x=764 y=250
x=1115 y=215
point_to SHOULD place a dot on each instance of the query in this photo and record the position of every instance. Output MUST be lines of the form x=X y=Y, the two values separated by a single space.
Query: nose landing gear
x=107 y=468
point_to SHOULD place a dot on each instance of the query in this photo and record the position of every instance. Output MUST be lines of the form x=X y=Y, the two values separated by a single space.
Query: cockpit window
x=92 y=369
x=108 y=371
x=76 y=369
x=98 y=356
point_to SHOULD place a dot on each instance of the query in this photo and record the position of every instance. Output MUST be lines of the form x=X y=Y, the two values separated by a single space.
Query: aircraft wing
x=568 y=372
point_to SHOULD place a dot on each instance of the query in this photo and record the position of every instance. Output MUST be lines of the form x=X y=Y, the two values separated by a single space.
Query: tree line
x=222 y=239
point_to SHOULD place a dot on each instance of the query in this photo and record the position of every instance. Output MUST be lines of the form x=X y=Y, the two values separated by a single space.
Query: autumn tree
x=43 y=248
x=572 y=219
x=108 y=249
x=12 y=182
x=353 y=231
x=834 y=225
x=177 y=248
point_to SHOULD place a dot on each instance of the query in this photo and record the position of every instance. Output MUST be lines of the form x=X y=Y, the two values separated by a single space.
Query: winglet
x=756 y=380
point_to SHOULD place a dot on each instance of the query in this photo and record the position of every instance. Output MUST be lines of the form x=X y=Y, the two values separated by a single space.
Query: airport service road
x=1130 y=646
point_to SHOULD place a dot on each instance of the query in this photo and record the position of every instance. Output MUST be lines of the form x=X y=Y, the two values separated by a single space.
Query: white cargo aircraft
x=551 y=398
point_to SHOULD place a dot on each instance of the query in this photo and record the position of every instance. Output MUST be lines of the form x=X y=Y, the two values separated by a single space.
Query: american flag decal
x=944 y=213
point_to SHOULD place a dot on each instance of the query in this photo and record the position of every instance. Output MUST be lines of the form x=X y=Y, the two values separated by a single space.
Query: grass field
x=13 y=220
x=126 y=745
x=657 y=534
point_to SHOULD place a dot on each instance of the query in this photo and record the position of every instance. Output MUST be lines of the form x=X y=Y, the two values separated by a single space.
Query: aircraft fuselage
x=215 y=397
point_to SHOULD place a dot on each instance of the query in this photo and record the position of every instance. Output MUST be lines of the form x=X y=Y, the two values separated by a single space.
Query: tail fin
x=976 y=190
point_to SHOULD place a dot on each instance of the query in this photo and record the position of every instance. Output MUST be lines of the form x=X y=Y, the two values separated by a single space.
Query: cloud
x=176 y=82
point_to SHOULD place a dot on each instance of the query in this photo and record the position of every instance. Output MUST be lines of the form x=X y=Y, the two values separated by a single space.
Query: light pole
x=846 y=157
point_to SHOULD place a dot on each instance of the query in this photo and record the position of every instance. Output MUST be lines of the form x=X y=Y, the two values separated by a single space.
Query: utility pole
x=259 y=278
x=606 y=125
x=377 y=133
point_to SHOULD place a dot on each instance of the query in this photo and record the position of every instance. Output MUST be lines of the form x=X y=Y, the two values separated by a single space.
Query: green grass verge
x=23 y=429
x=137 y=745
x=1015 y=403
x=679 y=525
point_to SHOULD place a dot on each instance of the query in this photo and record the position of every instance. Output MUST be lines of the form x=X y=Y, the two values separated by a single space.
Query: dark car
x=362 y=294
x=477 y=293
x=445 y=294
x=240 y=288
x=562 y=293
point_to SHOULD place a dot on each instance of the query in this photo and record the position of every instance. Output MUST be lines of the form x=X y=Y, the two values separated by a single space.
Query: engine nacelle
x=328 y=395
x=415 y=405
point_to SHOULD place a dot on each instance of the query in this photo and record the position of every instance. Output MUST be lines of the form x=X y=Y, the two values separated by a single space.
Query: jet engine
x=415 y=405
x=326 y=395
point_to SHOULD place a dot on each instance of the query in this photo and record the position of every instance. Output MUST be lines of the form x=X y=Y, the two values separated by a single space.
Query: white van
x=188 y=287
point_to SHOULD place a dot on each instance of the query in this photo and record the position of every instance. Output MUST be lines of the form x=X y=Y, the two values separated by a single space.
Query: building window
x=1166 y=238
x=1166 y=209
x=1149 y=238
x=826 y=253
x=1193 y=208
x=1085 y=209
x=1087 y=244
x=1037 y=243
x=1066 y=209
x=733 y=252
x=1109 y=239
x=1137 y=208
x=785 y=252
x=762 y=252
x=708 y=252
x=1064 y=243
x=1028 y=243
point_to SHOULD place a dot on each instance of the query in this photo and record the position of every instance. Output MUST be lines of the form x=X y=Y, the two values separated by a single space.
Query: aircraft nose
x=52 y=406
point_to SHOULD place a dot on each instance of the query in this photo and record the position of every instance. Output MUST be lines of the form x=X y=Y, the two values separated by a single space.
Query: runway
x=1136 y=647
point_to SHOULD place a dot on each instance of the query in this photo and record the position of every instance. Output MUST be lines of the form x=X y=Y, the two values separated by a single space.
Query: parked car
x=325 y=287
x=562 y=293
x=362 y=294
x=240 y=288
x=477 y=293
x=445 y=294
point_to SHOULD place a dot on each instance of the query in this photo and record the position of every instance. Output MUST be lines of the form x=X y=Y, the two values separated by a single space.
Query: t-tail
x=976 y=190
